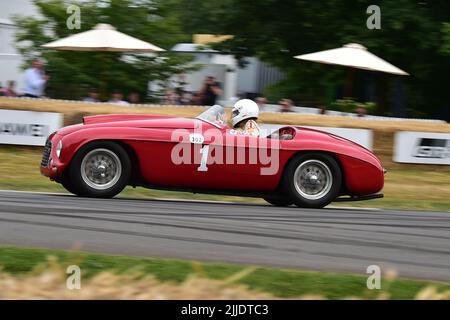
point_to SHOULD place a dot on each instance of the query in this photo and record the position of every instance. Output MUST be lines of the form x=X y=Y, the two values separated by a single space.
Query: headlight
x=59 y=148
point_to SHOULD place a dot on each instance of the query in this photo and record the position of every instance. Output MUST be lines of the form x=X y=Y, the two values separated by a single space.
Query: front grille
x=46 y=153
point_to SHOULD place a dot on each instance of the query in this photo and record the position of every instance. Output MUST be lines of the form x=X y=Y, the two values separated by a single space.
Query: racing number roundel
x=196 y=138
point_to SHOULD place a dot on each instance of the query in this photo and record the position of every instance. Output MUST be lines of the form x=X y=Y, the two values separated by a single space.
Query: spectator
x=361 y=111
x=93 y=96
x=196 y=99
x=134 y=98
x=322 y=110
x=186 y=98
x=9 y=91
x=35 y=79
x=181 y=85
x=171 y=98
x=210 y=91
x=261 y=102
x=286 y=105
x=117 y=98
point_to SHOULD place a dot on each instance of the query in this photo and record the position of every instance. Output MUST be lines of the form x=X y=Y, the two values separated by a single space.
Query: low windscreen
x=215 y=115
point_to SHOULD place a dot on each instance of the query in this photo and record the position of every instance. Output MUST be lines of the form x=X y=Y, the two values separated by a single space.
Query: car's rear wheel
x=278 y=201
x=312 y=180
x=100 y=169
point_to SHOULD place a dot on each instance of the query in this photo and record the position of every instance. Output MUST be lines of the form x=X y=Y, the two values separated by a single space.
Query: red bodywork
x=150 y=141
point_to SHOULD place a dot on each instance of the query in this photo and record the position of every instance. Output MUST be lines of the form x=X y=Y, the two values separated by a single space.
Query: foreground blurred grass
x=176 y=279
x=404 y=189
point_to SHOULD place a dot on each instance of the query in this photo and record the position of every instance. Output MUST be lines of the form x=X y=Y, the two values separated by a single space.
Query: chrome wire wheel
x=101 y=169
x=313 y=179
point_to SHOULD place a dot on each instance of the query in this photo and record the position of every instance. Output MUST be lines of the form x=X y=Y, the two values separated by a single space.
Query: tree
x=445 y=49
x=73 y=72
x=276 y=30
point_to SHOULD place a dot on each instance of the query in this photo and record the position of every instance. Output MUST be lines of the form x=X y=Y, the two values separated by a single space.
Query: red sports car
x=293 y=165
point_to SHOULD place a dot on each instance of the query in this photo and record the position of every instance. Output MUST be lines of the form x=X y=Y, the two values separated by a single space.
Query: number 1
x=204 y=151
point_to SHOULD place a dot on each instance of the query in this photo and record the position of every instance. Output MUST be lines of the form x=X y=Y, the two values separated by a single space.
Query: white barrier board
x=422 y=147
x=362 y=137
x=27 y=127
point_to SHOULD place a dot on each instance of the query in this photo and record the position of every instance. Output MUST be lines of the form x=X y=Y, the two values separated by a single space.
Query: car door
x=233 y=161
x=169 y=157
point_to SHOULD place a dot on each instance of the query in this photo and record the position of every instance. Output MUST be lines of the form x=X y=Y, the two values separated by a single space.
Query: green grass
x=279 y=282
x=404 y=189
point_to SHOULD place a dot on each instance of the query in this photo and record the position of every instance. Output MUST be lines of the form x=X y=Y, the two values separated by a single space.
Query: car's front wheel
x=68 y=185
x=100 y=169
x=312 y=180
x=278 y=201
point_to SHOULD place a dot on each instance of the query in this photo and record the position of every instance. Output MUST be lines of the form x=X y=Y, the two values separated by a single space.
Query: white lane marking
x=355 y=208
x=198 y=200
x=149 y=198
x=195 y=200
x=37 y=192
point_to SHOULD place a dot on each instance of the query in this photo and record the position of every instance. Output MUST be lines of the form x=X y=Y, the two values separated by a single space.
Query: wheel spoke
x=313 y=179
x=101 y=169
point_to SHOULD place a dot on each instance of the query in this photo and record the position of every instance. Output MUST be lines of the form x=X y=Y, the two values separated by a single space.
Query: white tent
x=353 y=55
x=103 y=37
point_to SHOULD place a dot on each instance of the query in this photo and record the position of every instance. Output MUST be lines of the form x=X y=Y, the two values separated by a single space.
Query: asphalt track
x=415 y=244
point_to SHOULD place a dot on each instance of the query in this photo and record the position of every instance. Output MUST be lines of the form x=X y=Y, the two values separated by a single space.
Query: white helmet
x=244 y=109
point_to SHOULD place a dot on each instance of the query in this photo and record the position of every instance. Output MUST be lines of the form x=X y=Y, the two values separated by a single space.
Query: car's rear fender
x=298 y=153
x=359 y=176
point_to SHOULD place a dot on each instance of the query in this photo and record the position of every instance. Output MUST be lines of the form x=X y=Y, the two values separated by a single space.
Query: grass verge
x=280 y=283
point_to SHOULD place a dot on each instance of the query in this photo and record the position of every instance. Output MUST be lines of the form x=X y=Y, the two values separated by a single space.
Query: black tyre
x=67 y=184
x=312 y=180
x=100 y=169
x=278 y=201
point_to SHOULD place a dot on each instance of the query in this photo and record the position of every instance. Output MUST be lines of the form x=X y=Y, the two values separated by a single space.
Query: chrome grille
x=46 y=153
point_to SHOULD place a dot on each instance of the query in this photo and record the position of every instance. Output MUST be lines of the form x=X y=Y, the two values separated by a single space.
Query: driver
x=243 y=117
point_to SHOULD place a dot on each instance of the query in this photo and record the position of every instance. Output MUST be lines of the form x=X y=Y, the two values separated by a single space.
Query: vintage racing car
x=292 y=165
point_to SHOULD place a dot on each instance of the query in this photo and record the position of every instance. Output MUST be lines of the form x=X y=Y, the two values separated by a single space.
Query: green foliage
x=410 y=38
x=350 y=105
x=445 y=49
x=72 y=73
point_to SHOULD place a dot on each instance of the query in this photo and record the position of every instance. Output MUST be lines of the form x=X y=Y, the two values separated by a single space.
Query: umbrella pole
x=103 y=83
x=348 y=91
x=381 y=92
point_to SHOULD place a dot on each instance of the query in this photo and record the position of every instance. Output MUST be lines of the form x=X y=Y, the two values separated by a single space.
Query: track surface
x=415 y=244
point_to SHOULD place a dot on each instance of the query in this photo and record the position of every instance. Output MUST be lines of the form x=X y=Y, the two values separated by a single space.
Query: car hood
x=131 y=120
x=108 y=118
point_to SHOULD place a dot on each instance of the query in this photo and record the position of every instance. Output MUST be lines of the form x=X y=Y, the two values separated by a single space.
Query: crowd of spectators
x=181 y=95
x=209 y=93
x=117 y=97
x=35 y=80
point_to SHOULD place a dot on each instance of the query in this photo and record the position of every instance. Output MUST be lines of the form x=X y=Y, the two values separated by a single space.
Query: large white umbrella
x=103 y=37
x=353 y=55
